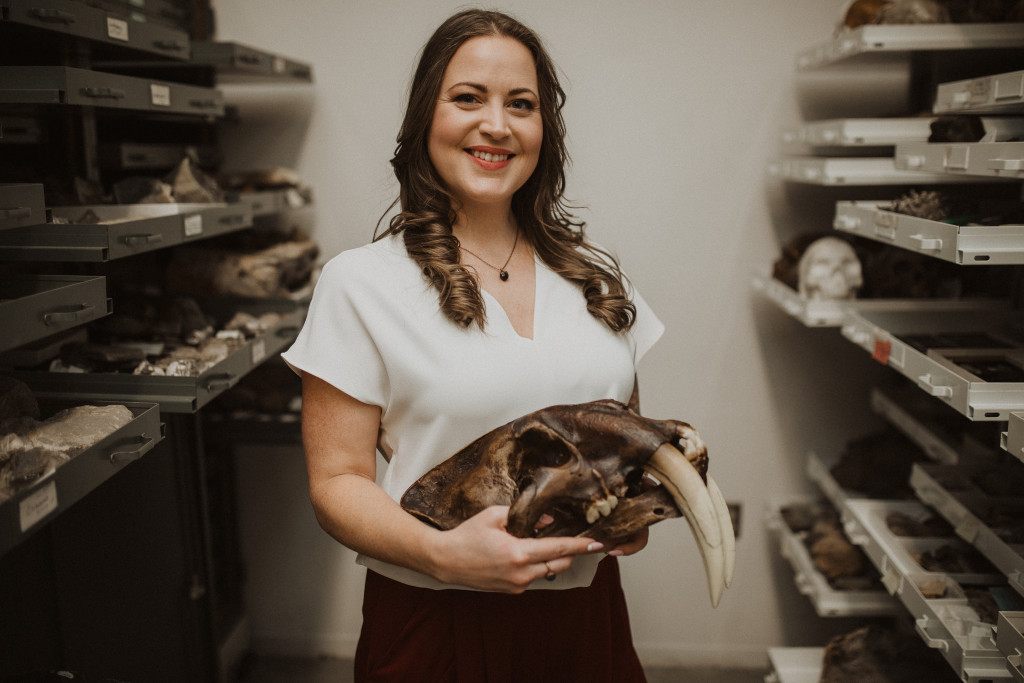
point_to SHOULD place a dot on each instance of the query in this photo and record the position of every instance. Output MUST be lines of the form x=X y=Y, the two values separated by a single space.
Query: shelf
x=125 y=230
x=795 y=664
x=21 y=204
x=949 y=354
x=1010 y=641
x=924 y=432
x=964 y=161
x=1012 y=440
x=854 y=134
x=998 y=94
x=236 y=62
x=82 y=21
x=128 y=156
x=36 y=306
x=59 y=85
x=942 y=615
x=908 y=38
x=827 y=601
x=950 y=490
x=844 y=172
x=178 y=394
x=810 y=313
x=960 y=244
x=28 y=510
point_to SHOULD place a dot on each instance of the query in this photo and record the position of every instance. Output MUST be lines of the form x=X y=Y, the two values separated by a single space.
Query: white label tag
x=37 y=505
x=160 y=95
x=279 y=65
x=117 y=29
x=259 y=350
x=193 y=225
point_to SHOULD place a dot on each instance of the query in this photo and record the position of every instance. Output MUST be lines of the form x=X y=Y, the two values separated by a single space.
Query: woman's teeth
x=489 y=157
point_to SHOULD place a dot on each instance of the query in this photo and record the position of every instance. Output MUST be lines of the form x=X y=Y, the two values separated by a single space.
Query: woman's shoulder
x=377 y=261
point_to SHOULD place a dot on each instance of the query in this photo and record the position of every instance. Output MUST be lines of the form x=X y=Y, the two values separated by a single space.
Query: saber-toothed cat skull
x=598 y=470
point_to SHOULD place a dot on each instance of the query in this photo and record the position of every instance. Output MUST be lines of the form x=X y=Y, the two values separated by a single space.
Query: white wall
x=674 y=109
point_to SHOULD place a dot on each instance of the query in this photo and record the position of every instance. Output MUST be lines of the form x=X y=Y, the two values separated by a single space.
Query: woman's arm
x=339 y=434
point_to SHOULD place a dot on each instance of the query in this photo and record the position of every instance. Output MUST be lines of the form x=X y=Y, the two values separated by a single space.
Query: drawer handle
x=937 y=390
x=63 y=317
x=53 y=16
x=250 y=59
x=104 y=93
x=203 y=104
x=16 y=213
x=141 y=240
x=232 y=219
x=121 y=457
x=218 y=382
x=172 y=45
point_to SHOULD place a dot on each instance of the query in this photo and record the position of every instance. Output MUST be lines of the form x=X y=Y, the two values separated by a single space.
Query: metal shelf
x=843 y=172
x=1010 y=641
x=795 y=664
x=82 y=21
x=60 y=85
x=178 y=394
x=909 y=38
x=1012 y=440
x=29 y=510
x=237 y=62
x=854 y=134
x=36 y=306
x=998 y=94
x=21 y=204
x=945 y=352
x=124 y=230
x=960 y=244
x=963 y=161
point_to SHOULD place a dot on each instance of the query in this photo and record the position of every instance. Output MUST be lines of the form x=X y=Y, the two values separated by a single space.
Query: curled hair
x=428 y=209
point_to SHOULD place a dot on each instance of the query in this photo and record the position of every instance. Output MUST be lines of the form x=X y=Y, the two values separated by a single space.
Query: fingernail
x=594 y=547
x=614 y=553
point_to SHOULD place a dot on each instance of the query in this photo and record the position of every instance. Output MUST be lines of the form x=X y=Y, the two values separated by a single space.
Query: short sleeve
x=336 y=342
x=646 y=330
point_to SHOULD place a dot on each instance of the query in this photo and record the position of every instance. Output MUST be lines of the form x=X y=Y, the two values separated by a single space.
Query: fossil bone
x=596 y=469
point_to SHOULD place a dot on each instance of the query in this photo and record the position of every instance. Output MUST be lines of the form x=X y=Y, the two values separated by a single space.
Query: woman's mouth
x=488 y=156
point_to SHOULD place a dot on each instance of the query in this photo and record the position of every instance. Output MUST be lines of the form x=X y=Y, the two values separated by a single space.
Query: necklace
x=502 y=273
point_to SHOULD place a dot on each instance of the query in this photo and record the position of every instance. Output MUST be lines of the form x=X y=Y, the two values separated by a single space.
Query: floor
x=285 y=670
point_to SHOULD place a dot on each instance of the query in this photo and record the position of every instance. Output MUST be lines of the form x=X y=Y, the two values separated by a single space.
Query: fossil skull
x=596 y=469
x=829 y=270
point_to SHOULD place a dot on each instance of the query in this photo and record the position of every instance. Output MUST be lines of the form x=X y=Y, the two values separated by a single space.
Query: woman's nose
x=495 y=121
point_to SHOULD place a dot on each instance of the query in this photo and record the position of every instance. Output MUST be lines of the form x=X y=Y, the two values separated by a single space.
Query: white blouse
x=375 y=331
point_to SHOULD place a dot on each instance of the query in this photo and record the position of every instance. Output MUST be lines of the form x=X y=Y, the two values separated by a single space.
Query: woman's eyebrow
x=483 y=88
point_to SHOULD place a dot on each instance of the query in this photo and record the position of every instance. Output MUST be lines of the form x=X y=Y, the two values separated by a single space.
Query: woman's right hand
x=480 y=553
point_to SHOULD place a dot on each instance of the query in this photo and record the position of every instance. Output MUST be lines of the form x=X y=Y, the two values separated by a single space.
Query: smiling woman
x=480 y=303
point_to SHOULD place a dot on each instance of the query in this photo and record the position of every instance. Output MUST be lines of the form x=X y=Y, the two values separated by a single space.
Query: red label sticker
x=881 y=353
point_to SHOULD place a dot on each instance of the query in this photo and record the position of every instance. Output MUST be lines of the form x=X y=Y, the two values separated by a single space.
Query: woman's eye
x=465 y=98
x=522 y=105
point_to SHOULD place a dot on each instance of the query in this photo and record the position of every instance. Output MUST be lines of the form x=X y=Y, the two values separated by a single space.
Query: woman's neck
x=485 y=227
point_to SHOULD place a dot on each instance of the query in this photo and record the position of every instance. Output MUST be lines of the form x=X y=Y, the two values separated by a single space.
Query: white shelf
x=947 y=622
x=1012 y=440
x=856 y=171
x=1010 y=641
x=997 y=94
x=910 y=38
x=855 y=133
x=795 y=664
x=827 y=601
x=963 y=161
x=935 y=485
x=810 y=313
x=957 y=343
x=960 y=244
x=914 y=429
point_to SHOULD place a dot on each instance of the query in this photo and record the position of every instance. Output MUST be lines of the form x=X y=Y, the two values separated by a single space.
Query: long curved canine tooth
x=683 y=481
x=725 y=522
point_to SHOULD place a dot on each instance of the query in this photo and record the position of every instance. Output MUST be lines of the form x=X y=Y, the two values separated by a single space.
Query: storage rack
x=99 y=90
x=875 y=154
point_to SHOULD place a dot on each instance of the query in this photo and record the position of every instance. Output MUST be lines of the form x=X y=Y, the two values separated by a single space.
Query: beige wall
x=674 y=110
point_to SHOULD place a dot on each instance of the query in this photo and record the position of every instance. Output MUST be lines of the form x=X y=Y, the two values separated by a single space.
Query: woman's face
x=486 y=134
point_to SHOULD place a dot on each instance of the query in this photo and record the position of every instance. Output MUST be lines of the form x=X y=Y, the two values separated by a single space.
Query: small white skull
x=829 y=270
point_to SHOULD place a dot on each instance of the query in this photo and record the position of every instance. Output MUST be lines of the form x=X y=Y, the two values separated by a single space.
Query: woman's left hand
x=631 y=545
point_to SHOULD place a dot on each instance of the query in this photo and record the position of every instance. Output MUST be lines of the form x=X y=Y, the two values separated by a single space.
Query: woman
x=481 y=302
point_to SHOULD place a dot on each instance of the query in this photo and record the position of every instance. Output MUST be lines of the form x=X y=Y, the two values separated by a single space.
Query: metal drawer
x=35 y=306
x=21 y=204
x=247 y=63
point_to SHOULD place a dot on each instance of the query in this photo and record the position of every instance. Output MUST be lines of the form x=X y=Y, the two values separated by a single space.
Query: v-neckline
x=491 y=299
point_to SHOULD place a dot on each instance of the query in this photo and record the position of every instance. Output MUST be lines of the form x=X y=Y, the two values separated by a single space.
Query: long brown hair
x=428 y=208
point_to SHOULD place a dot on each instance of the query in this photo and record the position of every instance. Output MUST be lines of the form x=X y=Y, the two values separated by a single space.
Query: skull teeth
x=601 y=508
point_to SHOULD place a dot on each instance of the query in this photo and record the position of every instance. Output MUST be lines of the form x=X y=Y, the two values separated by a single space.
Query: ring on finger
x=550 y=576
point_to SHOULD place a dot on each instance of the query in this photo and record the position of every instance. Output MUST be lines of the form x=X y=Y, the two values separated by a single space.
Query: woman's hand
x=631 y=545
x=480 y=553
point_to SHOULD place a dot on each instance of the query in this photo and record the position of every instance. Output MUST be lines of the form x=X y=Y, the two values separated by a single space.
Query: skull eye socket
x=542 y=448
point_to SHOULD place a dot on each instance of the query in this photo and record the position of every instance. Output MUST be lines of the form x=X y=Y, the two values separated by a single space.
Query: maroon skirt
x=414 y=634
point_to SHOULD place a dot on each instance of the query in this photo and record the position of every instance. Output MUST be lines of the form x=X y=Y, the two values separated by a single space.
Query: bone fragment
x=690 y=493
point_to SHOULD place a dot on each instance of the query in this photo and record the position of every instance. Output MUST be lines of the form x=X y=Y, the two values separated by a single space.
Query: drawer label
x=117 y=29
x=193 y=225
x=160 y=95
x=259 y=350
x=37 y=505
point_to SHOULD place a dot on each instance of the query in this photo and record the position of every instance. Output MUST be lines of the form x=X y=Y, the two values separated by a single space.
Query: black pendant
x=503 y=275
